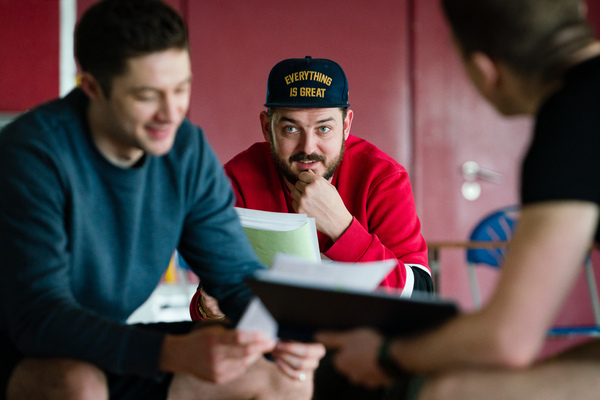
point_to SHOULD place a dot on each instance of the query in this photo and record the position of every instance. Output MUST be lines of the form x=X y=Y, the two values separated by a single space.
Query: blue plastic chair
x=499 y=226
x=495 y=227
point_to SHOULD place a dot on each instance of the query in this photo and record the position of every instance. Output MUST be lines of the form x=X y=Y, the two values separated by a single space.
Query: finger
x=297 y=363
x=262 y=347
x=245 y=354
x=296 y=348
x=307 y=176
x=295 y=193
x=301 y=185
x=211 y=308
x=230 y=369
x=301 y=375
x=306 y=350
x=331 y=340
x=247 y=337
x=211 y=303
x=299 y=356
x=253 y=341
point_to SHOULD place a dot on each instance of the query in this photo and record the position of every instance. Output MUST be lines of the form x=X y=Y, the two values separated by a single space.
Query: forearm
x=385 y=228
x=358 y=245
x=545 y=257
x=215 y=246
x=173 y=354
x=464 y=342
x=212 y=352
x=59 y=329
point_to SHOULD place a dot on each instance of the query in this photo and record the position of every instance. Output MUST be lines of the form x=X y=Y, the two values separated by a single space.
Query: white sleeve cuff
x=410 y=278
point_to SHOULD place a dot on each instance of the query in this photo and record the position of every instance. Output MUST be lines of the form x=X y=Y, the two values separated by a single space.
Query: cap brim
x=306 y=105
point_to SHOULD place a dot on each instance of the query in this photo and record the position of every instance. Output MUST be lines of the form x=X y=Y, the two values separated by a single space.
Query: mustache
x=303 y=157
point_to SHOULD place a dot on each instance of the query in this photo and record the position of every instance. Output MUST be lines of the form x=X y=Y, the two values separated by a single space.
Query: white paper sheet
x=329 y=274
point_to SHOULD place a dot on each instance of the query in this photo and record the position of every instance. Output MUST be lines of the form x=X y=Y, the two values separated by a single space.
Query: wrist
x=342 y=227
x=169 y=354
x=387 y=362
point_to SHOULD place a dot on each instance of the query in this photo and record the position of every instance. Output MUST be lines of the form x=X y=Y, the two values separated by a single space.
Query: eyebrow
x=151 y=88
x=293 y=121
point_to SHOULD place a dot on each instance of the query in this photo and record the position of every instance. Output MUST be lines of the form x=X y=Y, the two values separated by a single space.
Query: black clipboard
x=302 y=310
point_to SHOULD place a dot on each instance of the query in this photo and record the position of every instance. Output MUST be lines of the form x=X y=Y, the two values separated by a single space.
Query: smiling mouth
x=307 y=164
x=159 y=132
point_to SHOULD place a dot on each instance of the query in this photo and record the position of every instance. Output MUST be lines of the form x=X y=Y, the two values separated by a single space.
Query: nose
x=308 y=144
x=170 y=109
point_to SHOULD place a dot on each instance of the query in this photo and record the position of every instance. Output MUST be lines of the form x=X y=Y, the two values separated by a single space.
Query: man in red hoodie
x=309 y=163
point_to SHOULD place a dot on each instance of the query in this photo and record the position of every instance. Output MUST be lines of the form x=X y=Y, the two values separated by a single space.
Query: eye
x=324 y=129
x=146 y=95
x=290 y=129
x=182 y=89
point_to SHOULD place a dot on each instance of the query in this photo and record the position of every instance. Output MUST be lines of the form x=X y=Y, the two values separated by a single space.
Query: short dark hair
x=534 y=37
x=112 y=31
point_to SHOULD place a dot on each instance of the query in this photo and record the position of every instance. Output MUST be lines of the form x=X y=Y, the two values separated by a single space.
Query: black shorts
x=331 y=385
x=121 y=387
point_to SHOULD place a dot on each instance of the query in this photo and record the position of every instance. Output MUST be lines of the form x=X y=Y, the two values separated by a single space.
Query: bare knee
x=262 y=381
x=63 y=379
x=475 y=385
x=444 y=387
x=463 y=385
x=283 y=387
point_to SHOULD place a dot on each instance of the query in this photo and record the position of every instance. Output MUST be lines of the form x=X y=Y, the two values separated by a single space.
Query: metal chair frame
x=499 y=226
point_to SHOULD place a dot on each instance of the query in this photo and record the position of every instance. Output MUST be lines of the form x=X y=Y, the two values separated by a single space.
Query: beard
x=286 y=169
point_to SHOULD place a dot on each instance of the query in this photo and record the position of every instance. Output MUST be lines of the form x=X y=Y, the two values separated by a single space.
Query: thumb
x=331 y=340
x=306 y=171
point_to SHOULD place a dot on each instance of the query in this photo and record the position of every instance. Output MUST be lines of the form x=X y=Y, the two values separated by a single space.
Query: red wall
x=235 y=44
x=28 y=53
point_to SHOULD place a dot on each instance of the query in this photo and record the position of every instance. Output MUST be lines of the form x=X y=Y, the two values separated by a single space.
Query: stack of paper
x=271 y=233
x=334 y=276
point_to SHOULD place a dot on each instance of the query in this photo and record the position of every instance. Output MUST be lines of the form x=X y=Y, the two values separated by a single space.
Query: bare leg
x=60 y=379
x=573 y=375
x=262 y=381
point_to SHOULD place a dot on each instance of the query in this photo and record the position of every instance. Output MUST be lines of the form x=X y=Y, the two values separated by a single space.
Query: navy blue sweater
x=84 y=242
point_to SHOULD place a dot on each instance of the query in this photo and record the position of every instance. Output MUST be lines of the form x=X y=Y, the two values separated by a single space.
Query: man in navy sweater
x=97 y=191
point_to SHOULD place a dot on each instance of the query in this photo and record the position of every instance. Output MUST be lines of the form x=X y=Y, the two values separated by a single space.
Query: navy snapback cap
x=307 y=83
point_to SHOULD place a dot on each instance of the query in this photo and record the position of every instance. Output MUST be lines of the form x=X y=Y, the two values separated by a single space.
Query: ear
x=583 y=9
x=348 y=123
x=484 y=71
x=265 y=125
x=90 y=86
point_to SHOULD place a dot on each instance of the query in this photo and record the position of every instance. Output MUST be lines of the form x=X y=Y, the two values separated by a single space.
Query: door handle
x=472 y=171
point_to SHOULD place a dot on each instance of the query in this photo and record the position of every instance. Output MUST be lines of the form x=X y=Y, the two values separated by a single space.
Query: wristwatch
x=387 y=362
